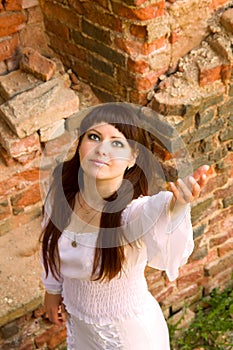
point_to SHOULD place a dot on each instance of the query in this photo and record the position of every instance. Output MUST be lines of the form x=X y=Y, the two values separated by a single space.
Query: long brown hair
x=109 y=251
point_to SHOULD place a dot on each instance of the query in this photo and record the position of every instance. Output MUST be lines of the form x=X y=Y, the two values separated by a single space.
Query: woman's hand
x=187 y=190
x=54 y=308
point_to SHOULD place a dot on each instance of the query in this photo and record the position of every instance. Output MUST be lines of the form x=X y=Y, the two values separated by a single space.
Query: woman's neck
x=94 y=192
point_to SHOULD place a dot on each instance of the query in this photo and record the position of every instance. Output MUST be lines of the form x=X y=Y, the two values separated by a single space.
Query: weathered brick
x=215 y=267
x=226 y=248
x=135 y=47
x=16 y=147
x=199 y=230
x=193 y=275
x=228 y=201
x=8 y=47
x=104 y=19
x=227 y=20
x=56 y=339
x=63 y=14
x=200 y=208
x=208 y=76
x=218 y=240
x=137 y=13
x=101 y=65
x=206 y=131
x=138 y=31
x=33 y=62
x=9 y=330
x=226 y=108
x=29 y=3
x=27 y=197
x=96 y=32
x=93 y=46
x=13 y=5
x=16 y=82
x=58 y=28
x=41 y=106
x=52 y=131
x=137 y=66
x=11 y=22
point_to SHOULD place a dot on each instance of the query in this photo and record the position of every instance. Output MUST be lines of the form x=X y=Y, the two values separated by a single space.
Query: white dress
x=122 y=314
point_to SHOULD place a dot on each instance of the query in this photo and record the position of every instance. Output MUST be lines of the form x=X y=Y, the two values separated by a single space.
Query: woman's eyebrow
x=112 y=137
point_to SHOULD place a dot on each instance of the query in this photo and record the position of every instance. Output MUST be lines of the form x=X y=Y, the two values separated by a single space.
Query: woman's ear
x=133 y=159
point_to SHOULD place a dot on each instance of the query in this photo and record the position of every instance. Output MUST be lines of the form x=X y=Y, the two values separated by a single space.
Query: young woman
x=100 y=230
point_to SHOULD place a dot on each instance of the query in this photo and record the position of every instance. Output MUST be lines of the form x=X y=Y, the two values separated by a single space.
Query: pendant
x=74 y=244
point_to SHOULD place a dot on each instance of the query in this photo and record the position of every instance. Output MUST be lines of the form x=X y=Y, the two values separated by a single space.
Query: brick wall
x=21 y=24
x=122 y=48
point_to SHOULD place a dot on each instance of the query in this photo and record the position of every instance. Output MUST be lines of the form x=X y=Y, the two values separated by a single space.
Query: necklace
x=74 y=243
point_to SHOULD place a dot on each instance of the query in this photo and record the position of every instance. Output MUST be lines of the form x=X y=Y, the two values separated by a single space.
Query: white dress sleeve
x=51 y=285
x=167 y=236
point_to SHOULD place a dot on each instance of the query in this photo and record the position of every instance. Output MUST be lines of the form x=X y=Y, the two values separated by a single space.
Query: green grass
x=212 y=327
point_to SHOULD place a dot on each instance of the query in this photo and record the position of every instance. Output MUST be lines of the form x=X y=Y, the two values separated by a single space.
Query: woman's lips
x=99 y=162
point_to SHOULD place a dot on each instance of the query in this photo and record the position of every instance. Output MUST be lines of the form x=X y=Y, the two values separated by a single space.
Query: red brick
x=16 y=147
x=103 y=18
x=11 y=22
x=8 y=161
x=39 y=312
x=216 y=241
x=207 y=76
x=193 y=275
x=45 y=337
x=137 y=66
x=163 y=294
x=62 y=14
x=219 y=265
x=135 y=48
x=13 y=5
x=57 y=28
x=222 y=193
x=143 y=14
x=139 y=31
x=137 y=97
x=147 y=81
x=28 y=197
x=218 y=3
x=225 y=248
x=8 y=47
x=56 y=339
x=218 y=181
x=175 y=36
x=40 y=66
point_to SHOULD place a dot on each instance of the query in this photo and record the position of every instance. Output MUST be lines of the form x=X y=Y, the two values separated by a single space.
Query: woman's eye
x=93 y=137
x=117 y=144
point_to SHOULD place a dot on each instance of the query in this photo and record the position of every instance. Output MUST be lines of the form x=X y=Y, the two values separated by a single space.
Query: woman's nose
x=102 y=148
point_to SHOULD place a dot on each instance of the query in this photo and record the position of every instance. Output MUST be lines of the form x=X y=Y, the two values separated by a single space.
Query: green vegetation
x=212 y=327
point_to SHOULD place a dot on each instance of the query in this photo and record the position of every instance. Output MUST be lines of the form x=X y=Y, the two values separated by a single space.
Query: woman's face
x=105 y=153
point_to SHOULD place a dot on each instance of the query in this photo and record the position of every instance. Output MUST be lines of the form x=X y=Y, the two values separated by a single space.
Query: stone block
x=52 y=131
x=16 y=147
x=39 y=107
x=29 y=3
x=17 y=82
x=40 y=66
